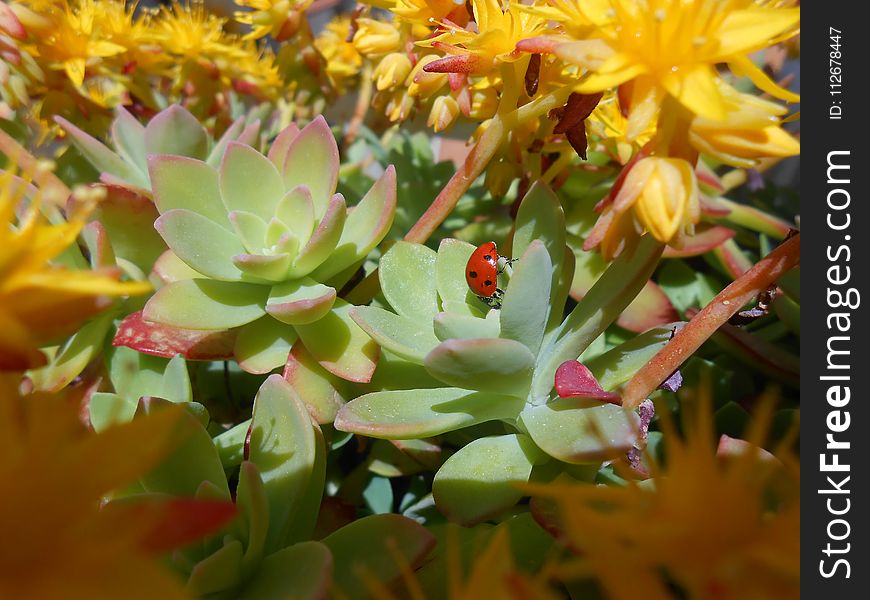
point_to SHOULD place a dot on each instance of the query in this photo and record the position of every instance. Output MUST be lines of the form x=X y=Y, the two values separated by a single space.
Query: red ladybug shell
x=481 y=272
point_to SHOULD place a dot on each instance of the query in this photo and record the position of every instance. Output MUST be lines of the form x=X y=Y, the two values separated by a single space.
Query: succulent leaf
x=203 y=245
x=249 y=181
x=250 y=229
x=540 y=217
x=181 y=182
x=103 y=159
x=407 y=280
x=526 y=305
x=481 y=479
x=324 y=239
x=455 y=296
x=221 y=570
x=321 y=391
x=207 y=304
x=300 y=302
x=296 y=211
x=176 y=131
x=262 y=346
x=163 y=340
x=411 y=339
x=406 y=414
x=452 y=325
x=278 y=149
x=491 y=365
x=263 y=268
x=302 y=572
x=129 y=137
x=253 y=505
x=312 y=160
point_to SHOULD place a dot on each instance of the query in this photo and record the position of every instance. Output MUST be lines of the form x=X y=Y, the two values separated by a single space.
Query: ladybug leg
x=507 y=262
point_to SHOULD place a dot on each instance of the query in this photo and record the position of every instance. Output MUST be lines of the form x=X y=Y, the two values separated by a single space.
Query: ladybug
x=481 y=273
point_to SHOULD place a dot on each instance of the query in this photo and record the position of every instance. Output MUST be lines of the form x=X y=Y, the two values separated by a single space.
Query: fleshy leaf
x=411 y=339
x=103 y=159
x=72 y=358
x=706 y=238
x=263 y=345
x=456 y=297
x=248 y=181
x=167 y=341
x=254 y=512
x=322 y=242
x=176 y=131
x=574 y=379
x=296 y=211
x=339 y=345
x=129 y=220
x=282 y=446
x=406 y=414
x=180 y=182
x=278 y=149
x=129 y=137
x=202 y=244
x=207 y=304
x=407 y=280
x=312 y=159
x=169 y=268
x=106 y=409
x=619 y=364
x=371 y=543
x=219 y=571
x=190 y=463
x=302 y=572
x=249 y=229
x=268 y=268
x=577 y=431
x=321 y=391
x=450 y=325
x=481 y=479
x=300 y=302
x=526 y=304
x=367 y=224
x=491 y=365
x=232 y=132
x=540 y=217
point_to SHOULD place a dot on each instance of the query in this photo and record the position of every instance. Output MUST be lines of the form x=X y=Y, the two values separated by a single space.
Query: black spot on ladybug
x=487 y=283
x=488 y=257
x=472 y=274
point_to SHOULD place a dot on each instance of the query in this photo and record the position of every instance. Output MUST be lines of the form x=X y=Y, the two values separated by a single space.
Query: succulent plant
x=501 y=365
x=278 y=461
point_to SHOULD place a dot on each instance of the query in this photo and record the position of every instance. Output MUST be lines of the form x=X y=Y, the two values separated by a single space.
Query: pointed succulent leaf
x=482 y=479
x=134 y=374
x=250 y=229
x=302 y=572
x=619 y=364
x=706 y=238
x=456 y=297
x=371 y=544
x=282 y=446
x=406 y=414
x=651 y=307
x=411 y=339
x=339 y=345
x=232 y=133
x=129 y=137
x=277 y=233
x=202 y=244
x=491 y=365
x=207 y=304
x=450 y=325
x=322 y=242
x=169 y=267
x=307 y=507
x=300 y=301
x=176 y=381
x=106 y=409
x=248 y=181
x=253 y=508
x=367 y=224
x=129 y=220
x=96 y=240
x=263 y=268
x=218 y=572
x=574 y=379
x=296 y=211
x=263 y=346
x=250 y=135
x=180 y=182
x=279 y=147
x=526 y=305
x=407 y=275
x=312 y=159
x=563 y=290
x=322 y=392
x=192 y=461
x=576 y=430
x=75 y=354
x=103 y=159
x=540 y=217
x=167 y=341
x=613 y=291
x=395 y=373
x=176 y=131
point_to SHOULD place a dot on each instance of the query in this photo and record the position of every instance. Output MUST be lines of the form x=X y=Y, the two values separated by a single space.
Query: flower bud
x=484 y=103
x=422 y=84
x=391 y=71
x=444 y=111
x=376 y=37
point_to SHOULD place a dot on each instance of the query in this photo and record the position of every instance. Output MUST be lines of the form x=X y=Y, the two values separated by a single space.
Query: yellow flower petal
x=743 y=66
x=744 y=31
x=696 y=88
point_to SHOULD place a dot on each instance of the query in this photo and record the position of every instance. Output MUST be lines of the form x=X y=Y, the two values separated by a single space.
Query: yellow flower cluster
x=81 y=58
x=651 y=66
x=39 y=299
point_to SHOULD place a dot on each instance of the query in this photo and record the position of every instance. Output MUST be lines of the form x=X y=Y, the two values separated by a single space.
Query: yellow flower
x=423 y=84
x=444 y=112
x=278 y=18
x=659 y=195
x=494 y=41
x=343 y=60
x=376 y=37
x=40 y=301
x=711 y=527
x=673 y=47
x=428 y=12
x=750 y=130
x=611 y=127
x=392 y=71
x=57 y=541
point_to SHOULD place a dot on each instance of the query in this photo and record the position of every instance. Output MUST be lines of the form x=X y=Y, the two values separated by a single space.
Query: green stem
x=765 y=273
x=754 y=219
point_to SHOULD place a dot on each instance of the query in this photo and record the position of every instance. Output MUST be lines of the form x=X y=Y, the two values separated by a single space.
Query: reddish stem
x=730 y=300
